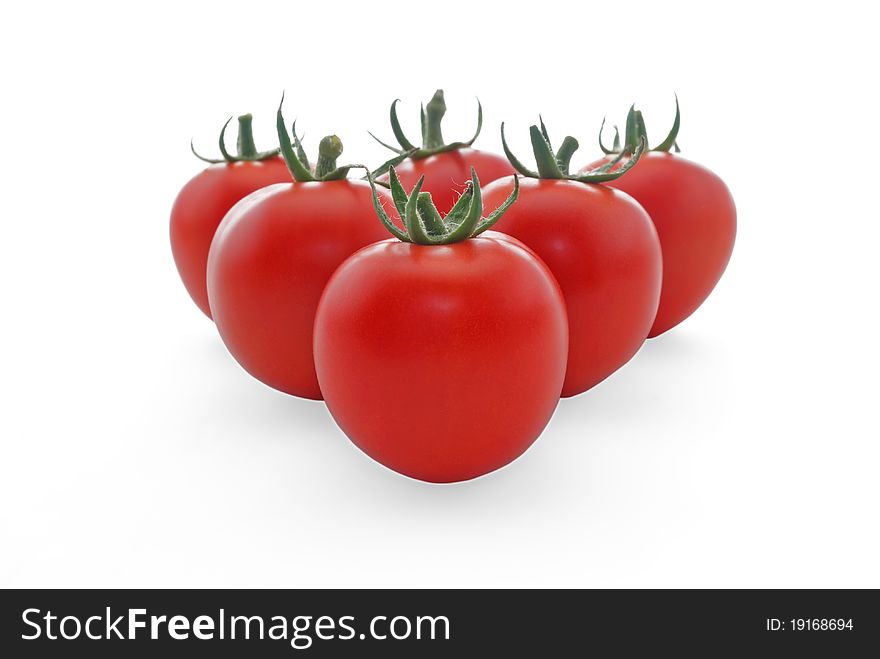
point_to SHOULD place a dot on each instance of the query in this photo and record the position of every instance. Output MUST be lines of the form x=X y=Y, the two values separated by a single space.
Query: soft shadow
x=249 y=412
x=663 y=366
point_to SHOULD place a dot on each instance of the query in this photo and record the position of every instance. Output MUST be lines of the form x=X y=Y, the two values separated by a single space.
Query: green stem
x=329 y=150
x=247 y=148
x=566 y=151
x=635 y=130
x=434 y=112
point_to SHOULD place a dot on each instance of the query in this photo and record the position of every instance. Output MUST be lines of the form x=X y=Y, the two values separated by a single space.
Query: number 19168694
x=821 y=624
x=809 y=624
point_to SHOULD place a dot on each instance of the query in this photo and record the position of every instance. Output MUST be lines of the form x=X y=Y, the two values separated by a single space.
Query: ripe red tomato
x=273 y=254
x=696 y=221
x=441 y=353
x=442 y=362
x=446 y=168
x=205 y=199
x=269 y=263
x=447 y=173
x=693 y=212
x=603 y=250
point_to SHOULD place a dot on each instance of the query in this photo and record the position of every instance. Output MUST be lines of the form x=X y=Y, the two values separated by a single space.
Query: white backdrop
x=740 y=449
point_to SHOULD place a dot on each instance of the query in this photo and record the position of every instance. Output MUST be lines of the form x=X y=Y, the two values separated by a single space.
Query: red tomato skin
x=695 y=217
x=603 y=250
x=447 y=173
x=442 y=363
x=269 y=262
x=200 y=207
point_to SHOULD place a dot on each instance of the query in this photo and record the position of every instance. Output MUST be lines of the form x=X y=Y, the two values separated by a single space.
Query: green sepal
x=459 y=210
x=210 y=161
x=387 y=165
x=246 y=150
x=548 y=167
x=412 y=223
x=398 y=194
x=635 y=127
x=479 y=125
x=222 y=142
x=387 y=146
x=517 y=165
x=423 y=224
x=602 y=146
x=495 y=215
x=383 y=216
x=670 y=142
x=399 y=135
x=558 y=166
x=605 y=173
x=634 y=130
x=300 y=172
x=432 y=137
x=297 y=162
x=544 y=131
x=297 y=144
x=608 y=166
x=339 y=173
x=465 y=229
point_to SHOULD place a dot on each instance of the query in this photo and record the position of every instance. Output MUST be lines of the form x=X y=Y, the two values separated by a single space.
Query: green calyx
x=329 y=150
x=557 y=165
x=432 y=135
x=636 y=123
x=422 y=222
x=246 y=150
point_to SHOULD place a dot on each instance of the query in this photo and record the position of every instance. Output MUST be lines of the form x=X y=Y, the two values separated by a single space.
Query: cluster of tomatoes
x=441 y=321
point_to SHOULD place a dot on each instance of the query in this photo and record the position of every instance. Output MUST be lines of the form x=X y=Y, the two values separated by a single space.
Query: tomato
x=601 y=247
x=206 y=198
x=446 y=168
x=603 y=250
x=696 y=220
x=269 y=263
x=443 y=362
x=272 y=256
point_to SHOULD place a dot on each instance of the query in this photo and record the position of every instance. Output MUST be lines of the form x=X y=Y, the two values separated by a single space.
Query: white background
x=740 y=449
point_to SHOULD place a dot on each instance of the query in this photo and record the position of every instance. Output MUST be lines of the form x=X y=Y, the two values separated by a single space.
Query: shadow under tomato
x=664 y=375
x=643 y=392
